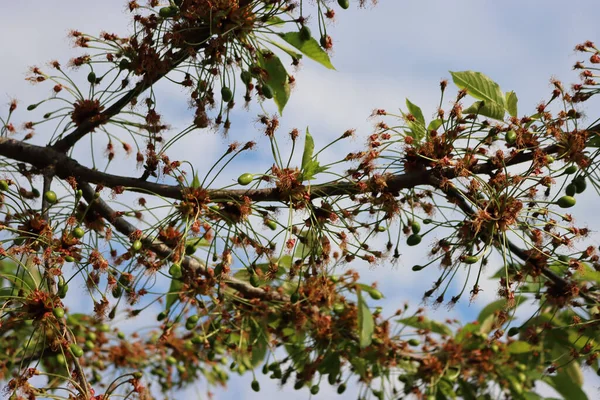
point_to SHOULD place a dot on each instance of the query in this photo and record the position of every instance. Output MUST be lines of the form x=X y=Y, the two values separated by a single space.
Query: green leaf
x=511 y=103
x=415 y=131
x=260 y=344
x=311 y=244
x=195 y=182
x=485 y=109
x=288 y=50
x=309 y=148
x=312 y=169
x=425 y=323
x=434 y=125
x=366 y=324
x=480 y=86
x=416 y=112
x=563 y=384
x=468 y=391
x=497 y=306
x=465 y=332
x=594 y=140
x=310 y=48
x=275 y=20
x=519 y=347
x=277 y=78
x=574 y=371
x=173 y=294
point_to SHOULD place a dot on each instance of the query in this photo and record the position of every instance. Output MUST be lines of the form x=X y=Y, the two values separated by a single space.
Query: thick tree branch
x=43 y=157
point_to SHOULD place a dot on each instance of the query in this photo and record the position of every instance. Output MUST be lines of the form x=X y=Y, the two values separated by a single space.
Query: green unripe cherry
x=416 y=227
x=511 y=137
x=571 y=169
x=413 y=239
x=3 y=185
x=470 y=259
x=76 y=350
x=414 y=342
x=50 y=197
x=246 y=77
x=345 y=4
x=191 y=322
x=171 y=360
x=267 y=92
x=60 y=359
x=137 y=245
x=570 y=189
x=78 y=232
x=254 y=280
x=255 y=385
x=294 y=297
x=226 y=94
x=245 y=178
x=513 y=331
x=271 y=224
x=190 y=249
x=58 y=312
x=566 y=202
x=167 y=12
x=580 y=184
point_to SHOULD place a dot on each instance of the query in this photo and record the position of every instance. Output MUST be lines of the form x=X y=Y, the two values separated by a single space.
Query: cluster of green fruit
x=576 y=186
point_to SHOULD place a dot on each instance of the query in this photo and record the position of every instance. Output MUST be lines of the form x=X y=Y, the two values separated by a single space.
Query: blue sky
x=382 y=55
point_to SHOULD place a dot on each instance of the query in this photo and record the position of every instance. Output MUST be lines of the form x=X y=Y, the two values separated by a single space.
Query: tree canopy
x=266 y=276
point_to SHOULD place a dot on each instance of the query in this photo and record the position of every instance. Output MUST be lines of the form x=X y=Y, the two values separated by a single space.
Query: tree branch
x=160 y=248
x=64 y=144
x=43 y=157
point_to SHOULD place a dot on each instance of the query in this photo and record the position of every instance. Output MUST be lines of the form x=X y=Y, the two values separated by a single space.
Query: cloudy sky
x=382 y=55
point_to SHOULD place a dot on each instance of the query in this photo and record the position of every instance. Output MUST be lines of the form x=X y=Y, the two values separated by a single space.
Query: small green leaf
x=519 y=347
x=416 y=112
x=511 y=103
x=497 y=306
x=425 y=323
x=366 y=324
x=173 y=294
x=469 y=391
x=277 y=78
x=310 y=48
x=563 y=384
x=260 y=344
x=594 y=140
x=312 y=169
x=309 y=148
x=434 y=125
x=574 y=371
x=275 y=20
x=195 y=182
